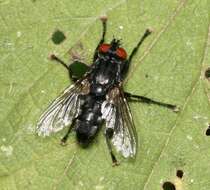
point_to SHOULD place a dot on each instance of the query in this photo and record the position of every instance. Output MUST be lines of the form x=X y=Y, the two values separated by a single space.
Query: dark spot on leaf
x=77 y=69
x=207 y=73
x=58 y=37
x=208 y=131
x=168 y=186
x=179 y=161
x=146 y=76
x=179 y=173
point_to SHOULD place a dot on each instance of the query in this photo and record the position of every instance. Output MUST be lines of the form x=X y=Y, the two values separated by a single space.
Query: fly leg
x=143 y=99
x=104 y=20
x=64 y=139
x=108 y=134
x=146 y=34
x=76 y=69
x=134 y=51
x=55 y=58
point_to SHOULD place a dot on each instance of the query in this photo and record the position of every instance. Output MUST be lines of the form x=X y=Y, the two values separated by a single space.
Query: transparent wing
x=117 y=115
x=62 y=110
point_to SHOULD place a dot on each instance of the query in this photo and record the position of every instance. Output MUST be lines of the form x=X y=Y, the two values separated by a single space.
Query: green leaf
x=169 y=67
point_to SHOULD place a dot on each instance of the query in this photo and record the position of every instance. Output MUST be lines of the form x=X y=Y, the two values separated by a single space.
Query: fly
x=96 y=97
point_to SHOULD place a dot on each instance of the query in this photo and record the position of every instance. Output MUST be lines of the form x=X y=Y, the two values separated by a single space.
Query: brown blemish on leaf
x=178 y=183
x=77 y=52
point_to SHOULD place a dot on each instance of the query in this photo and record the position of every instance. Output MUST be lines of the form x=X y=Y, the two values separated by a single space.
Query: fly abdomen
x=85 y=132
x=89 y=120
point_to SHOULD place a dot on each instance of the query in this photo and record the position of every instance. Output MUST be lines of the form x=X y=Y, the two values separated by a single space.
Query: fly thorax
x=102 y=79
x=98 y=89
x=106 y=72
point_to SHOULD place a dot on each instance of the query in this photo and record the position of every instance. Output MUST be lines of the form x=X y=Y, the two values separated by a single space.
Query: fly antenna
x=115 y=43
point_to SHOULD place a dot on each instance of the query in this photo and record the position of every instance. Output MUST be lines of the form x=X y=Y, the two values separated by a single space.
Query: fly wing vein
x=117 y=115
x=62 y=110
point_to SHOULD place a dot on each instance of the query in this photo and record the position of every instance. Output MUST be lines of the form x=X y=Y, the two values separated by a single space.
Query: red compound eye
x=104 y=48
x=121 y=53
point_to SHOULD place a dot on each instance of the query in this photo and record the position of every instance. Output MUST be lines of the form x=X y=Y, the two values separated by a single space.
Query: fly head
x=113 y=55
x=113 y=50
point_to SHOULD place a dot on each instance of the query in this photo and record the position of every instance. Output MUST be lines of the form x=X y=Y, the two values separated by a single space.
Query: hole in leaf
x=179 y=173
x=207 y=73
x=168 y=186
x=58 y=37
x=208 y=131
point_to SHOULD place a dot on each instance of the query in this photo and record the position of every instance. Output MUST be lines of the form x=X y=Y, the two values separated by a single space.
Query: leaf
x=169 y=67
